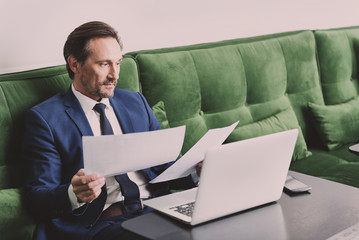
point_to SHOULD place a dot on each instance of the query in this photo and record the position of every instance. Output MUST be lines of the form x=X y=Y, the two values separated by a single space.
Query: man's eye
x=103 y=64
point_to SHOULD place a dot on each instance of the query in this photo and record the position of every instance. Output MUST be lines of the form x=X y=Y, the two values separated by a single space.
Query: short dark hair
x=77 y=43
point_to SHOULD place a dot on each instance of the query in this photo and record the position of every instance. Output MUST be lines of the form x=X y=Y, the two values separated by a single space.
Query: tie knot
x=105 y=125
x=100 y=108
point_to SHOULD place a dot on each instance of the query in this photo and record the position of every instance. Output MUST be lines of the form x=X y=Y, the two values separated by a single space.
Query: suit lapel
x=77 y=115
x=123 y=116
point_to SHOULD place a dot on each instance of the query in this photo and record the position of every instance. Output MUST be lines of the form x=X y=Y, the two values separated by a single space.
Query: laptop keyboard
x=185 y=209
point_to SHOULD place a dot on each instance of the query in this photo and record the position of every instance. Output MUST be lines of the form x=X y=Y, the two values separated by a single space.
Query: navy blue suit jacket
x=52 y=153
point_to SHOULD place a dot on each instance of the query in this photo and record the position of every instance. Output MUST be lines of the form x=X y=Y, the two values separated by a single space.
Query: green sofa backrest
x=207 y=85
x=338 y=58
x=252 y=80
x=19 y=92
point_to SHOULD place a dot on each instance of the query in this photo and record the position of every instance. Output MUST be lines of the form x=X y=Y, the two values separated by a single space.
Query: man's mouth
x=110 y=83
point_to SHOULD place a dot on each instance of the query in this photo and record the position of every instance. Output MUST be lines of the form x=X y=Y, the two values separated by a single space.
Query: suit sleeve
x=44 y=192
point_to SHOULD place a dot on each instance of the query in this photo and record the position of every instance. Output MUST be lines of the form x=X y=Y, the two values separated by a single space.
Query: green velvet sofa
x=303 y=79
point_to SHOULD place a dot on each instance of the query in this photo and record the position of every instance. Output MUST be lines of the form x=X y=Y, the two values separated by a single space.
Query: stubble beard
x=104 y=94
x=97 y=91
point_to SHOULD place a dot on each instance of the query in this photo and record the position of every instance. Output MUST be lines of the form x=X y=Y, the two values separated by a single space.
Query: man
x=70 y=204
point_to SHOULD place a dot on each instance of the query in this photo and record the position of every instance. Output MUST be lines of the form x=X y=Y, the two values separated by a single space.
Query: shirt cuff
x=195 y=177
x=73 y=199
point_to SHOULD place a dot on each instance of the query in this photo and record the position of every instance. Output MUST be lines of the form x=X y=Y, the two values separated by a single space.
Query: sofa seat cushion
x=15 y=222
x=337 y=124
x=339 y=165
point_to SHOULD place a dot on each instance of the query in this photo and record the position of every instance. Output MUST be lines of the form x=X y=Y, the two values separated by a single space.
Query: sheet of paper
x=187 y=163
x=354 y=148
x=110 y=155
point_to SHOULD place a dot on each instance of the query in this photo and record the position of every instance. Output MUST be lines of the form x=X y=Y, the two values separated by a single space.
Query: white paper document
x=187 y=163
x=110 y=155
x=354 y=148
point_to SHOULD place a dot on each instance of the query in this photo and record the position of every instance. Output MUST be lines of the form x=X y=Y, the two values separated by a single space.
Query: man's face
x=97 y=76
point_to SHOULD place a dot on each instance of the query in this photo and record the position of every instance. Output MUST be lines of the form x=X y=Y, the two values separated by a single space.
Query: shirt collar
x=87 y=103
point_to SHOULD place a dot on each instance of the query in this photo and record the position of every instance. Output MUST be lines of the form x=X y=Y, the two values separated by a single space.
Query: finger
x=76 y=179
x=81 y=172
x=89 y=178
x=199 y=168
x=80 y=187
x=90 y=193
x=85 y=179
x=89 y=196
x=87 y=187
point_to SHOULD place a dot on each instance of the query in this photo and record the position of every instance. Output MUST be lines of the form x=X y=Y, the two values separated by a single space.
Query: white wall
x=33 y=32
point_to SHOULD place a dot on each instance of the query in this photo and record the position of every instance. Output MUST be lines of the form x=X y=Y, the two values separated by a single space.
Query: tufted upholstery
x=214 y=87
x=338 y=53
x=255 y=80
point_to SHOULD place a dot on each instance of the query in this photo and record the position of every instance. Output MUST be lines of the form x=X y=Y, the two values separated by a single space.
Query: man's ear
x=73 y=64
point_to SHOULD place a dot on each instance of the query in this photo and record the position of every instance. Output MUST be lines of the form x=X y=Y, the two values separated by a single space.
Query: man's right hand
x=87 y=187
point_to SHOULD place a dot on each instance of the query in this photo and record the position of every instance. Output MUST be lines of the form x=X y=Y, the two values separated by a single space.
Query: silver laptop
x=235 y=177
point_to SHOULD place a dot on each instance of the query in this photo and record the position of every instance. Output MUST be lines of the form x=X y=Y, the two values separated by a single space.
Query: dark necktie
x=129 y=189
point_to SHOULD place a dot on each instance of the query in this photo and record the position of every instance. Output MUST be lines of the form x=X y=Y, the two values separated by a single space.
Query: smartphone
x=293 y=185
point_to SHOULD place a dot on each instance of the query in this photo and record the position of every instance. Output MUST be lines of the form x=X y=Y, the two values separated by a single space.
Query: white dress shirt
x=113 y=188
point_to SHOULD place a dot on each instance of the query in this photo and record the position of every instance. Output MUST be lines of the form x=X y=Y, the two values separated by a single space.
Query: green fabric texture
x=303 y=83
x=18 y=96
x=15 y=222
x=337 y=57
x=337 y=124
x=338 y=165
x=128 y=78
x=216 y=86
x=281 y=121
x=318 y=163
x=160 y=113
x=215 y=44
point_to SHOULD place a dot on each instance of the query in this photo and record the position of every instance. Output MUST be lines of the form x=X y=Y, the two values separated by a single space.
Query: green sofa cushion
x=17 y=96
x=215 y=87
x=337 y=124
x=338 y=64
x=160 y=113
x=338 y=165
x=15 y=222
x=284 y=120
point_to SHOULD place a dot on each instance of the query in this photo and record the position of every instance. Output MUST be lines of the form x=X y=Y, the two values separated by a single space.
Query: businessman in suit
x=68 y=203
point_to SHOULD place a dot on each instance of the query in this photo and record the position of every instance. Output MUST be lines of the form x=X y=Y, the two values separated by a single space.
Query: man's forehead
x=105 y=47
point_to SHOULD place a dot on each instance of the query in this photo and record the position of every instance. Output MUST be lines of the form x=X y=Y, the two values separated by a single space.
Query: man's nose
x=114 y=72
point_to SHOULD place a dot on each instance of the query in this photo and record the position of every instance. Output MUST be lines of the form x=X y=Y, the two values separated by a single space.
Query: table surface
x=329 y=208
